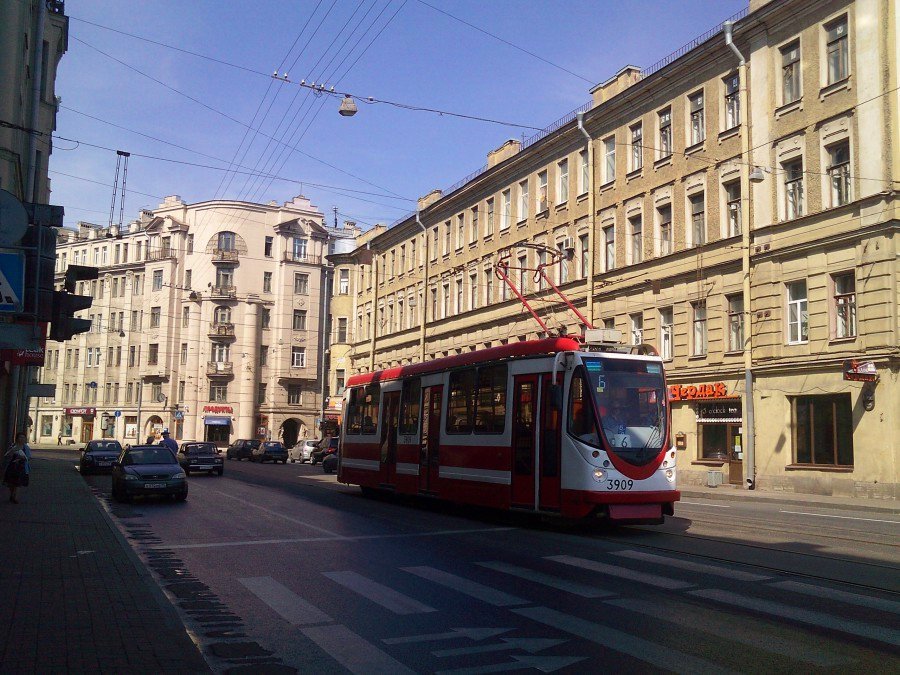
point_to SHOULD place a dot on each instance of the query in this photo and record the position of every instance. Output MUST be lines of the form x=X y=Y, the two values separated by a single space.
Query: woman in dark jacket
x=16 y=467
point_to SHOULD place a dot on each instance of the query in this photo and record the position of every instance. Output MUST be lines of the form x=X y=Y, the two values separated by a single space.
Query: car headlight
x=670 y=475
x=180 y=474
x=131 y=476
x=599 y=475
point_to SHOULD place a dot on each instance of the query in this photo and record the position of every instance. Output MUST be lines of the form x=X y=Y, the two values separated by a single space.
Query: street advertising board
x=860 y=371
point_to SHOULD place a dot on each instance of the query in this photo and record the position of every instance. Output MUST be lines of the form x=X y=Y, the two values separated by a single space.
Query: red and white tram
x=490 y=428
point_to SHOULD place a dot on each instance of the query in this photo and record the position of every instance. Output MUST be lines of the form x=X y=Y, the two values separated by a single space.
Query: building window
x=185 y=318
x=637 y=239
x=460 y=233
x=445 y=305
x=263 y=355
x=698 y=218
x=473 y=291
x=523 y=200
x=664 y=213
x=562 y=187
x=267 y=247
x=153 y=355
x=506 y=205
x=823 y=430
x=218 y=393
x=735 y=323
x=489 y=226
x=184 y=353
x=447 y=234
x=265 y=317
x=261 y=393
x=585 y=253
x=299 y=248
x=637 y=329
x=301 y=284
x=157 y=280
x=542 y=201
x=298 y=357
x=299 y=322
x=609 y=244
x=637 y=147
x=836 y=49
x=226 y=241
x=733 y=207
x=699 y=326
x=790 y=72
x=295 y=395
x=666 y=333
x=732 y=102
x=839 y=173
x=222 y=314
x=665 y=132
x=434 y=246
x=584 y=175
x=473 y=234
x=340 y=380
x=609 y=160
x=267 y=282
x=221 y=352
x=224 y=279
x=698 y=126
x=154 y=316
x=797 y=313
x=488 y=287
x=844 y=305
x=793 y=189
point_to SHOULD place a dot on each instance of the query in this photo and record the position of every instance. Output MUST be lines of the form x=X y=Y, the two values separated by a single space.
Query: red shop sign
x=691 y=392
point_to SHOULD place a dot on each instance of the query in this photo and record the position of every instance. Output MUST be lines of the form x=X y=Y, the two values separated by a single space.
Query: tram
x=575 y=427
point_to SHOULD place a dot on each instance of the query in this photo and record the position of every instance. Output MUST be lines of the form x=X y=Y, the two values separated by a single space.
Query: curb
x=785 y=500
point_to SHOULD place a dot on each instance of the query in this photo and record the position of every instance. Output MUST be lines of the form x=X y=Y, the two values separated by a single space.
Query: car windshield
x=104 y=446
x=149 y=455
x=200 y=449
x=272 y=446
x=630 y=396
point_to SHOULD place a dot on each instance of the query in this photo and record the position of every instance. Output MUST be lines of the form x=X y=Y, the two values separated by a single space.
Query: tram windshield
x=630 y=397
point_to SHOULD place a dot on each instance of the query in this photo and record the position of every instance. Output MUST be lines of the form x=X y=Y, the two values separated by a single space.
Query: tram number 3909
x=619 y=484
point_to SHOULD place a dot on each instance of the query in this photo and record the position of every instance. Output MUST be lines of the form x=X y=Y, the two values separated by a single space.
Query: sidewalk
x=738 y=493
x=74 y=597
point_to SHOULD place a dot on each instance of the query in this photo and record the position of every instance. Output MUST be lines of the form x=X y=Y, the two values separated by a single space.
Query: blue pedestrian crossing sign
x=118 y=413
x=12 y=280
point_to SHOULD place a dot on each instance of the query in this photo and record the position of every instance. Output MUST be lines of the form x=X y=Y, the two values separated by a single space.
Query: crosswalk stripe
x=841 y=596
x=692 y=566
x=470 y=588
x=379 y=594
x=624 y=573
x=619 y=641
x=572 y=587
x=287 y=604
x=731 y=627
x=353 y=652
x=864 y=630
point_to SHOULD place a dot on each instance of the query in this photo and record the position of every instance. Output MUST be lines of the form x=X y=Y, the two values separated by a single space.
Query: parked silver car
x=302 y=452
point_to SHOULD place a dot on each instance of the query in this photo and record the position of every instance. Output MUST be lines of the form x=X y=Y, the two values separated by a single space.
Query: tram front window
x=630 y=397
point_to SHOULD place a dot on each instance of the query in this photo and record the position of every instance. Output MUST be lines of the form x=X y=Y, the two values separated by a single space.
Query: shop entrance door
x=735 y=454
x=87 y=430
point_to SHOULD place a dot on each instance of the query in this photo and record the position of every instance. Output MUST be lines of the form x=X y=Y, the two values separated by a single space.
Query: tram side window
x=410 y=406
x=460 y=403
x=581 y=422
x=490 y=415
x=363 y=413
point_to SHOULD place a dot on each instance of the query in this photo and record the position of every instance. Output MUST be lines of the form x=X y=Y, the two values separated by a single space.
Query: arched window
x=223 y=315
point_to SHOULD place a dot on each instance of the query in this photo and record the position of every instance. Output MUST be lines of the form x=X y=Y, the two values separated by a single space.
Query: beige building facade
x=207 y=320
x=735 y=207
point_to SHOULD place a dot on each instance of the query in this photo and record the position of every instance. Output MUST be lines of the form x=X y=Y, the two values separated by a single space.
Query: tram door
x=549 y=450
x=390 y=417
x=429 y=451
x=523 y=441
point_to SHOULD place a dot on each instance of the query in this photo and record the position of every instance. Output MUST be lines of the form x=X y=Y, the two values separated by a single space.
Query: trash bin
x=714 y=478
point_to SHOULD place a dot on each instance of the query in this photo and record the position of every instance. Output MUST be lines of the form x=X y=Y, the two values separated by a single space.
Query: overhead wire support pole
x=126 y=155
x=500 y=270
x=112 y=203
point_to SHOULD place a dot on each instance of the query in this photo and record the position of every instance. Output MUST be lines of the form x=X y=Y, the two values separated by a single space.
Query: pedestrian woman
x=16 y=467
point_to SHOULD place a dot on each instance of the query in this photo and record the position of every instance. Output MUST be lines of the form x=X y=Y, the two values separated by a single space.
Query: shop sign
x=725 y=411
x=691 y=392
x=81 y=412
x=860 y=371
x=23 y=357
x=219 y=409
x=262 y=431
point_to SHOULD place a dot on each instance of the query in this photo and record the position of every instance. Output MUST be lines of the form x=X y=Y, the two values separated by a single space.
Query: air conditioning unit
x=568 y=242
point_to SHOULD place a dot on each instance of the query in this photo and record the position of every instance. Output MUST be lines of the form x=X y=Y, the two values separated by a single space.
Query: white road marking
x=324 y=478
x=718 y=506
x=277 y=514
x=572 y=587
x=530 y=645
x=693 y=566
x=826 y=515
x=732 y=628
x=470 y=588
x=841 y=596
x=378 y=593
x=545 y=664
x=287 y=604
x=353 y=652
x=623 y=572
x=664 y=657
x=454 y=634
x=864 y=630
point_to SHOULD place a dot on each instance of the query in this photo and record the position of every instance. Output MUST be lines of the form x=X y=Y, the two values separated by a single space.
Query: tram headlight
x=599 y=475
x=670 y=475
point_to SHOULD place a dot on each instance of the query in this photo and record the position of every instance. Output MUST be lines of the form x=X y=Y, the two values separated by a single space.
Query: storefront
x=217 y=423
x=87 y=416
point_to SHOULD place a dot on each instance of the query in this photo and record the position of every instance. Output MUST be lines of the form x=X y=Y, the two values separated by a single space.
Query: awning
x=212 y=421
x=720 y=420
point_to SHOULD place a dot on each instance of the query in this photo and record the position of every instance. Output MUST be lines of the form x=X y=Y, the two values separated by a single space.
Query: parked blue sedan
x=148 y=470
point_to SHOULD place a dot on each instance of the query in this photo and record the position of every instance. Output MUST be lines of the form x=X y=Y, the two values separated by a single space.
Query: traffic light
x=40 y=259
x=64 y=325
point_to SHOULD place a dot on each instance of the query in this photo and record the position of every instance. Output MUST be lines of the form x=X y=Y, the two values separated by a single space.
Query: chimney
x=504 y=152
x=429 y=199
x=615 y=85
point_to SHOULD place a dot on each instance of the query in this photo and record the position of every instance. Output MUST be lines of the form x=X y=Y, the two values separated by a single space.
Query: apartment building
x=206 y=320
x=732 y=205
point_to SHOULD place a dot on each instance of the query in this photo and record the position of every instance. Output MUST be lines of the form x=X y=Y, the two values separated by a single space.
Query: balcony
x=155 y=373
x=221 y=330
x=223 y=292
x=219 y=369
x=160 y=254
x=224 y=256
x=297 y=257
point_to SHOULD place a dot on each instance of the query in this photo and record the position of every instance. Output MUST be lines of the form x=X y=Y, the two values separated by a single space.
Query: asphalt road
x=297 y=571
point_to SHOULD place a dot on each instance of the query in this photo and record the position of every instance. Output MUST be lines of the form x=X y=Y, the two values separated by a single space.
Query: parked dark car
x=270 y=451
x=324 y=450
x=148 y=470
x=330 y=463
x=242 y=449
x=200 y=456
x=99 y=456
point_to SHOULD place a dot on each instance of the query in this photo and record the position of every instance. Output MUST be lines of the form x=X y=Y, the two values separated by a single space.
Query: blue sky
x=372 y=166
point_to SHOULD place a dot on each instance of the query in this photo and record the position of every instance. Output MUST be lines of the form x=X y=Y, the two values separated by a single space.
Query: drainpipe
x=591 y=210
x=424 y=250
x=373 y=323
x=749 y=434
